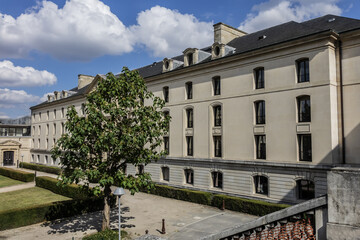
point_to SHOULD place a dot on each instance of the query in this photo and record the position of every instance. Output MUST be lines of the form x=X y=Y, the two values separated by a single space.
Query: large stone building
x=262 y=115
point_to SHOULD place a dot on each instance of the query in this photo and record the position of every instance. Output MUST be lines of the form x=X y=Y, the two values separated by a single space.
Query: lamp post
x=119 y=192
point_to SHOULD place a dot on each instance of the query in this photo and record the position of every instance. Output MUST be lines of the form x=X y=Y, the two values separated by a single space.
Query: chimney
x=224 y=33
x=84 y=80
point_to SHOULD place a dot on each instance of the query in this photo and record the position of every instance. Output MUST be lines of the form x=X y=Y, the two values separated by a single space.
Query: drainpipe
x=341 y=103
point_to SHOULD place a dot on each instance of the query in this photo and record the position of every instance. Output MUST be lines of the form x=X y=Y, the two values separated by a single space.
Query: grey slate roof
x=274 y=35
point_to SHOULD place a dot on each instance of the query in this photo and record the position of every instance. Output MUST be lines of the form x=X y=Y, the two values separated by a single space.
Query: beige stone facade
x=266 y=123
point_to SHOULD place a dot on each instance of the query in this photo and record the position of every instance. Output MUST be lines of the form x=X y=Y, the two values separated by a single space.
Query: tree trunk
x=106 y=211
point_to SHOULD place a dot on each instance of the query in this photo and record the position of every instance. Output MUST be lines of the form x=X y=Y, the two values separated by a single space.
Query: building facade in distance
x=262 y=115
x=15 y=141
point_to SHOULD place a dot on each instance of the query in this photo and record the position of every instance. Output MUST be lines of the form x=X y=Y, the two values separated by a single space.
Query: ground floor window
x=189 y=176
x=305 y=189
x=305 y=151
x=140 y=169
x=165 y=173
x=217 y=179
x=261 y=185
x=46 y=160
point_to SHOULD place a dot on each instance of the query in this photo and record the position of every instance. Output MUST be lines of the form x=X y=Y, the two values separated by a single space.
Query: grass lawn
x=5 y=181
x=28 y=197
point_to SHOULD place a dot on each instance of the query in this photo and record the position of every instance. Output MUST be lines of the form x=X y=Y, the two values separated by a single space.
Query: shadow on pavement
x=87 y=221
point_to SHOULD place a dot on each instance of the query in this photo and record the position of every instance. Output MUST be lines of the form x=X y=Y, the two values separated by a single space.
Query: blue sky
x=44 y=45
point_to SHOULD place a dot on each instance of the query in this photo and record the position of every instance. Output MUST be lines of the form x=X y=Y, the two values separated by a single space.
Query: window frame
x=259 y=72
x=189 y=90
x=304 y=115
x=166 y=94
x=301 y=150
x=166 y=140
x=260 y=146
x=189 y=176
x=216 y=85
x=217 y=148
x=260 y=112
x=217 y=109
x=308 y=193
x=258 y=181
x=165 y=177
x=303 y=70
x=217 y=178
x=189 y=118
x=189 y=146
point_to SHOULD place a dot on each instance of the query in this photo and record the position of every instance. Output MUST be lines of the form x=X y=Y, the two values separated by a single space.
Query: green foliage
x=17 y=174
x=254 y=207
x=44 y=212
x=106 y=234
x=182 y=194
x=123 y=124
x=41 y=168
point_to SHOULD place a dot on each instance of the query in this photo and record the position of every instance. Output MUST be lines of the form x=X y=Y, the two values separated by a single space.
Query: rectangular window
x=189 y=115
x=261 y=185
x=140 y=169
x=217 y=116
x=306 y=189
x=166 y=94
x=46 y=159
x=217 y=85
x=217 y=146
x=62 y=112
x=47 y=129
x=166 y=145
x=54 y=113
x=259 y=78
x=260 y=112
x=189 y=176
x=305 y=152
x=304 y=109
x=62 y=128
x=165 y=173
x=54 y=129
x=189 y=90
x=303 y=70
x=190 y=145
x=217 y=178
x=19 y=131
x=38 y=143
x=47 y=115
x=260 y=141
x=38 y=158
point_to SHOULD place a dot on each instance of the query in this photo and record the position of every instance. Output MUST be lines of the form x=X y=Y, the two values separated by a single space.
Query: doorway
x=8 y=158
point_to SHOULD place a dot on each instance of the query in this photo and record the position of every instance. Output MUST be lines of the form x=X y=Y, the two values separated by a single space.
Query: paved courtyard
x=183 y=220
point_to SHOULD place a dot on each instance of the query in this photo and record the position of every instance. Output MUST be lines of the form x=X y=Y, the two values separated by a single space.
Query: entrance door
x=8 y=158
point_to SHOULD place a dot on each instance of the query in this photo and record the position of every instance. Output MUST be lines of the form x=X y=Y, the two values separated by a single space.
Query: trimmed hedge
x=41 y=168
x=17 y=174
x=250 y=206
x=182 y=194
x=107 y=234
x=26 y=216
x=72 y=191
x=253 y=207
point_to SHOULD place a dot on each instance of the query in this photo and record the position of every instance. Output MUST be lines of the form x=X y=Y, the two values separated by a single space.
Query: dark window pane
x=260 y=112
x=165 y=173
x=260 y=141
x=217 y=146
x=306 y=189
x=217 y=116
x=190 y=145
x=304 y=109
x=190 y=115
x=303 y=70
x=261 y=185
x=217 y=86
x=166 y=94
x=305 y=152
x=190 y=58
x=189 y=176
x=217 y=178
x=259 y=78
x=166 y=145
x=189 y=91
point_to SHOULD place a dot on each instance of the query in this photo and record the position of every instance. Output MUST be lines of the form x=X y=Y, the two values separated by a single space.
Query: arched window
x=302 y=66
x=260 y=112
x=261 y=185
x=189 y=176
x=304 y=108
x=305 y=189
x=259 y=78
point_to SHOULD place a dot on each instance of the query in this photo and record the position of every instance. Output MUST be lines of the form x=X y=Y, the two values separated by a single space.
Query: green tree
x=122 y=124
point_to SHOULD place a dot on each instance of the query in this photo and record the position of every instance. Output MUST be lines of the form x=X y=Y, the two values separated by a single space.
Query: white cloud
x=167 y=32
x=14 y=76
x=81 y=30
x=3 y=115
x=14 y=98
x=275 y=12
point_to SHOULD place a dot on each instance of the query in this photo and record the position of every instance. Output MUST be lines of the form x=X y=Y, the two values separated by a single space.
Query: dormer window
x=190 y=59
x=219 y=50
x=171 y=64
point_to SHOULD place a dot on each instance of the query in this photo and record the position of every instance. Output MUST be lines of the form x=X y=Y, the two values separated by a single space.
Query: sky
x=44 y=45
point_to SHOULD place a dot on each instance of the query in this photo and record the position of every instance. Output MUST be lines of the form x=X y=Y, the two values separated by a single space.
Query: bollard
x=163 y=227
x=223 y=205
